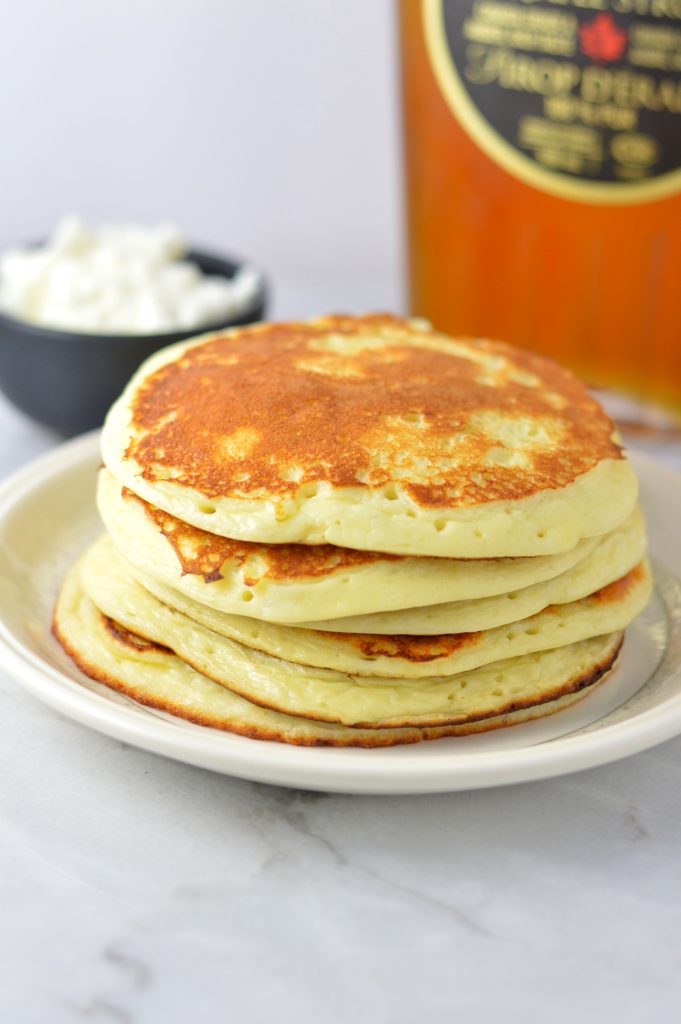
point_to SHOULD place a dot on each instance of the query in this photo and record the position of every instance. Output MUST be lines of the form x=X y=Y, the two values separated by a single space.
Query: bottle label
x=578 y=98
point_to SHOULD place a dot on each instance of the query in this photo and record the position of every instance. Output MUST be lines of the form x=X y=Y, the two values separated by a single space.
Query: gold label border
x=498 y=149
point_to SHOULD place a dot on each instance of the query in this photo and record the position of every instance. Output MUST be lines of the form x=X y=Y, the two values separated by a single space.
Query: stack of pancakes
x=358 y=532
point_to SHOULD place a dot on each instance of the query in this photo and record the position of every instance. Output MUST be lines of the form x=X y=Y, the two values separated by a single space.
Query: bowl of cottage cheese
x=81 y=311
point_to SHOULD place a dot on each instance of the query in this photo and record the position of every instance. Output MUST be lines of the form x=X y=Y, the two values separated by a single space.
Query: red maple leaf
x=602 y=40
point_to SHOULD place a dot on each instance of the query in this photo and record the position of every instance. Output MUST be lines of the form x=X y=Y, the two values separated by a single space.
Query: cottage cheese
x=118 y=279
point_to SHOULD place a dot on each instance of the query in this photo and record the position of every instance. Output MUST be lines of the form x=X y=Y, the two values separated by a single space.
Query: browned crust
x=619 y=590
x=133 y=641
x=431 y=648
x=251 y=406
x=422 y=649
x=200 y=553
x=613 y=593
x=392 y=737
x=405 y=647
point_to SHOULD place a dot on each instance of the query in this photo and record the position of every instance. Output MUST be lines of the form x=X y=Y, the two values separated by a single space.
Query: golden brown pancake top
x=365 y=403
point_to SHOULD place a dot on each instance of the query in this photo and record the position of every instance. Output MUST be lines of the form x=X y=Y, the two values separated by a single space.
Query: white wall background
x=264 y=127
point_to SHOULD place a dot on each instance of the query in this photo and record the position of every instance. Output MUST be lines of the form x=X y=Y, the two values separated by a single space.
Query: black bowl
x=67 y=380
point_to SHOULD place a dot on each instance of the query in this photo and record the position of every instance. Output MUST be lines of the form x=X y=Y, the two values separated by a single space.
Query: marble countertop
x=134 y=890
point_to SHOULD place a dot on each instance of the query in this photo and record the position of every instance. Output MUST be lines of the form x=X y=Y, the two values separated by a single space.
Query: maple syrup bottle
x=543 y=174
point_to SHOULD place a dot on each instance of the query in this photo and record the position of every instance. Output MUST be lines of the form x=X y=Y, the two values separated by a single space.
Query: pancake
x=292 y=583
x=301 y=584
x=466 y=693
x=614 y=556
x=152 y=676
x=373 y=433
x=412 y=657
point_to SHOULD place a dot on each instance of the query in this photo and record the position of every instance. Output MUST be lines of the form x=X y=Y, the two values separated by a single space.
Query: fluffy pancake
x=153 y=676
x=374 y=434
x=414 y=657
x=614 y=555
x=465 y=693
x=292 y=583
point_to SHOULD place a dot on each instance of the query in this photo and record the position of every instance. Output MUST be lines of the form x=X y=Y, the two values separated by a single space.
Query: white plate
x=47 y=516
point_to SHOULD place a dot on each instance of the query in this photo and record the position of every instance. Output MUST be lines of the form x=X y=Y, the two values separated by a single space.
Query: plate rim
x=283 y=764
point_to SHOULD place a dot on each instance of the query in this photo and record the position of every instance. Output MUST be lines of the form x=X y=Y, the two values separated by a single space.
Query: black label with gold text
x=577 y=97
